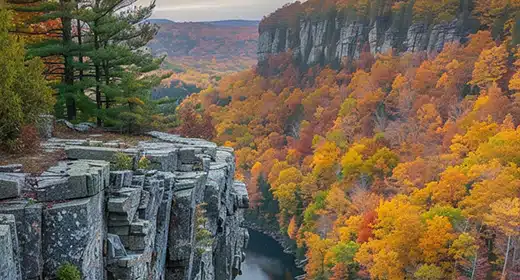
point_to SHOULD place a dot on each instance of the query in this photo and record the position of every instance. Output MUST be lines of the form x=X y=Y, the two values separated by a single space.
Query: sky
x=211 y=10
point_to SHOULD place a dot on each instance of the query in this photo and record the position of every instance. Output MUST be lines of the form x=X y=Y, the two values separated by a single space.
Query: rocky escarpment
x=179 y=218
x=329 y=40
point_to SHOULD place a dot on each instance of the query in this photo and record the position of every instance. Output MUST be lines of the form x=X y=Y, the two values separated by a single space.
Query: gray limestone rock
x=147 y=222
x=330 y=39
x=350 y=41
x=9 y=221
x=441 y=34
x=11 y=168
x=11 y=185
x=8 y=266
x=181 y=237
x=96 y=153
x=264 y=46
x=28 y=218
x=240 y=190
x=74 y=232
x=71 y=180
x=115 y=248
x=122 y=206
x=120 y=179
x=417 y=38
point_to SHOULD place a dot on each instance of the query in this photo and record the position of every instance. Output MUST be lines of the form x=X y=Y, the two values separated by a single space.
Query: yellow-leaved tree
x=490 y=66
x=505 y=216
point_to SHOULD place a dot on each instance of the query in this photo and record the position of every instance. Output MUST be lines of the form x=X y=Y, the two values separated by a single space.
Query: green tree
x=23 y=89
x=61 y=50
x=118 y=35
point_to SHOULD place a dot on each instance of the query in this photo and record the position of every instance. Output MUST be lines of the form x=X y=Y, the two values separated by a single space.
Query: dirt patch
x=35 y=163
x=64 y=132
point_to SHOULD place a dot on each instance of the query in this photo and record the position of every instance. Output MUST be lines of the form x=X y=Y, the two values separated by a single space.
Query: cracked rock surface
x=125 y=224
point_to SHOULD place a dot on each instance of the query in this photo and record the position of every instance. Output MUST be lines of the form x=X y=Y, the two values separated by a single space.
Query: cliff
x=327 y=40
x=179 y=218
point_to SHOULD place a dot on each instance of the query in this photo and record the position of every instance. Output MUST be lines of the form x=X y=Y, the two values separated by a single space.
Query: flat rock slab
x=202 y=146
x=11 y=168
x=72 y=180
x=96 y=153
x=11 y=185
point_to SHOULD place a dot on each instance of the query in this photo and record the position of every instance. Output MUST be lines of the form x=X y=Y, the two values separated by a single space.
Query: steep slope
x=398 y=165
x=328 y=35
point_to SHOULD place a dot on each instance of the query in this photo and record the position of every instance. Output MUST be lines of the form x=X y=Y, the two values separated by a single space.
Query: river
x=265 y=260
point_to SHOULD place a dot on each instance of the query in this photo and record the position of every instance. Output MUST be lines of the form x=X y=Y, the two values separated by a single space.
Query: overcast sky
x=209 y=10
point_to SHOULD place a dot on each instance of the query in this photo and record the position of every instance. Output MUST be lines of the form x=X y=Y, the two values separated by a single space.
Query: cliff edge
x=178 y=218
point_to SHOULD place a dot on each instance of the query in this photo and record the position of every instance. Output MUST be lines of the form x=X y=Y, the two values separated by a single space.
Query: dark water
x=265 y=260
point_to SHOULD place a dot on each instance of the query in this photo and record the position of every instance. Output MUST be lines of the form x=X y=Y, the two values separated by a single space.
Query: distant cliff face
x=329 y=40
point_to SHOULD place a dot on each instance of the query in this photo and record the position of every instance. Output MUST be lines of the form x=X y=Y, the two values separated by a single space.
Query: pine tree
x=59 y=49
x=118 y=35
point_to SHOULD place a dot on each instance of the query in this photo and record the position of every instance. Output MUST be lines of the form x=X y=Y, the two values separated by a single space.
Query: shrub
x=68 y=271
x=122 y=161
x=203 y=237
x=25 y=92
x=144 y=163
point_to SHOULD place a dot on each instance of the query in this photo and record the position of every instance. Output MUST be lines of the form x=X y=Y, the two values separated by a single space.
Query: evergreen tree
x=60 y=50
x=119 y=35
x=98 y=45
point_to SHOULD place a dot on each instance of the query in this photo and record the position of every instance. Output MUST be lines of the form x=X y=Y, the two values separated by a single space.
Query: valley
x=329 y=139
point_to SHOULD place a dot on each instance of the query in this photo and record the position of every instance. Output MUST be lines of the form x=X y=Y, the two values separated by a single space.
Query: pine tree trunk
x=68 y=76
x=98 y=78
x=80 y=42
x=507 y=255
x=107 y=82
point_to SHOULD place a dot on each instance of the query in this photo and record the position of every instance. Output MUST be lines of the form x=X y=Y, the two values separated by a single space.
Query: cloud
x=189 y=7
x=207 y=10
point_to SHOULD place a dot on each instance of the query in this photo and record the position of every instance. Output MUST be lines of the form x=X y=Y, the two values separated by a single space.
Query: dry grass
x=33 y=163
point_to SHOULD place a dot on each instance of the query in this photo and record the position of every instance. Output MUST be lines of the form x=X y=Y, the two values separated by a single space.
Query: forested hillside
x=397 y=165
x=200 y=53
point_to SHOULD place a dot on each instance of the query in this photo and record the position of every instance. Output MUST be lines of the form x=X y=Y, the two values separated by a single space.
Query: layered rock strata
x=329 y=40
x=180 y=218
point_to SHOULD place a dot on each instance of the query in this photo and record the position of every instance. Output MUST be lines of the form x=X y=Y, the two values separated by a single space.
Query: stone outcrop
x=180 y=218
x=329 y=40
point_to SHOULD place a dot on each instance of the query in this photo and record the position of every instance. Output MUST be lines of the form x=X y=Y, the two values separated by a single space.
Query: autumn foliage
x=407 y=168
